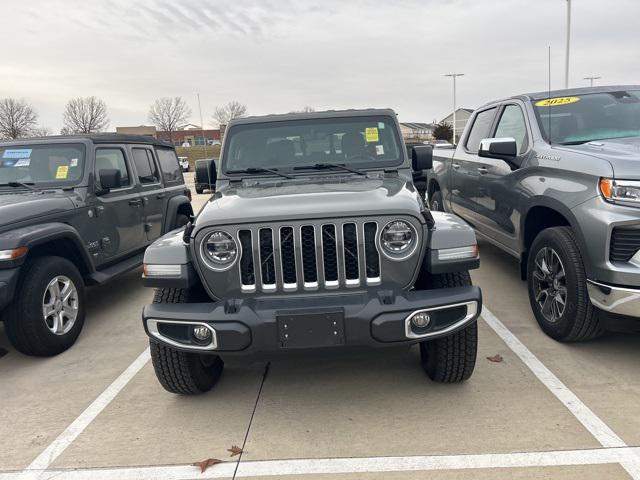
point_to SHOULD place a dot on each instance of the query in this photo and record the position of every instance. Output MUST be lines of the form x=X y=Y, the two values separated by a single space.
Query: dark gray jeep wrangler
x=76 y=211
x=315 y=237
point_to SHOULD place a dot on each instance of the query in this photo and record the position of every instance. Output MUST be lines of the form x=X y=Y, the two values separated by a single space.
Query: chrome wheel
x=60 y=304
x=549 y=284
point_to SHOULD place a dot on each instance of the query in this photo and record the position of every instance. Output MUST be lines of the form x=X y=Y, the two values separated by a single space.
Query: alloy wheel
x=60 y=304
x=550 y=284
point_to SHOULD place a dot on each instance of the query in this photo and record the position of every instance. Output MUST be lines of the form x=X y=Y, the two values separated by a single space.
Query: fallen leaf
x=209 y=462
x=497 y=358
x=235 y=450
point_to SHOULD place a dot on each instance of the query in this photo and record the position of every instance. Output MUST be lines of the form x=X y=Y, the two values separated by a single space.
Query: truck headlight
x=220 y=249
x=398 y=238
x=620 y=191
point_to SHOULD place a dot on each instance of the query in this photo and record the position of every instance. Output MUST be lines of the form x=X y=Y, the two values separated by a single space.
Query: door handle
x=161 y=195
x=482 y=170
x=456 y=166
x=135 y=203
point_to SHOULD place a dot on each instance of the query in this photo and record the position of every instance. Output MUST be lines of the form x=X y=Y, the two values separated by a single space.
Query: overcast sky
x=280 y=55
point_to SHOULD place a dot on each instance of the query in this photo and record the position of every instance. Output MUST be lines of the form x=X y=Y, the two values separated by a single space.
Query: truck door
x=118 y=213
x=151 y=190
x=498 y=216
x=465 y=173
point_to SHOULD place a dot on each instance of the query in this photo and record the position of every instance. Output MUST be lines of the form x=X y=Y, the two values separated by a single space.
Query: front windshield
x=585 y=118
x=46 y=165
x=358 y=142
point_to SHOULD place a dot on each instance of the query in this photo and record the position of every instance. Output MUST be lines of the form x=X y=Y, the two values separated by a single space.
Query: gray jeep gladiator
x=315 y=237
x=553 y=178
x=76 y=211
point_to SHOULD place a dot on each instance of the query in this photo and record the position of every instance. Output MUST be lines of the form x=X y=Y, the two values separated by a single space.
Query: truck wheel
x=183 y=372
x=199 y=190
x=435 y=202
x=48 y=312
x=558 y=287
x=450 y=359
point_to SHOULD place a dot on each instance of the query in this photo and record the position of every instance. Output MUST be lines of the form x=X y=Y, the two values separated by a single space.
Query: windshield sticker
x=371 y=134
x=62 y=172
x=23 y=162
x=380 y=125
x=73 y=162
x=380 y=149
x=554 y=102
x=17 y=153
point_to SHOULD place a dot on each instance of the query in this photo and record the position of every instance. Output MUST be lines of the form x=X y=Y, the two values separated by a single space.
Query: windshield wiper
x=29 y=185
x=261 y=170
x=326 y=166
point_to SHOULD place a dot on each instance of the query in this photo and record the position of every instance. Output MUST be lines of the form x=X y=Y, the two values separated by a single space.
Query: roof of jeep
x=311 y=115
x=92 y=137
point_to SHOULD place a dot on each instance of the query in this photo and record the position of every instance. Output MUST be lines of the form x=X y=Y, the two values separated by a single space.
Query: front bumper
x=252 y=325
x=614 y=299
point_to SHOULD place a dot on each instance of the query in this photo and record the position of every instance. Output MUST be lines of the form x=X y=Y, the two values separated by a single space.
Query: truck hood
x=622 y=153
x=22 y=206
x=326 y=197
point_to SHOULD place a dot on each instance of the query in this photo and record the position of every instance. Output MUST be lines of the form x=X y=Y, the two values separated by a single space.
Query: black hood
x=21 y=206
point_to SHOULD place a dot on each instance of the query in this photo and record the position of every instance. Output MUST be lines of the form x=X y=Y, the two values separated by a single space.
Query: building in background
x=140 y=130
x=186 y=135
x=462 y=117
x=417 y=132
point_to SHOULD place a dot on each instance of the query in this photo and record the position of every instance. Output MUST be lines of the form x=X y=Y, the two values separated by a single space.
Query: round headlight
x=220 y=249
x=398 y=237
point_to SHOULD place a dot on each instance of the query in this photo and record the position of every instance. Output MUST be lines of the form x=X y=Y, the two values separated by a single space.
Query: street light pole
x=454 y=75
x=591 y=79
x=566 y=59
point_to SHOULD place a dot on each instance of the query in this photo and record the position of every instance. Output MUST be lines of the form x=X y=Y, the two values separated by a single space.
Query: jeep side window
x=110 y=159
x=480 y=130
x=169 y=165
x=512 y=125
x=145 y=166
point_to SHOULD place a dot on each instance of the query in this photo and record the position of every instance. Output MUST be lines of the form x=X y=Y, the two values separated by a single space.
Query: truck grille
x=289 y=258
x=625 y=242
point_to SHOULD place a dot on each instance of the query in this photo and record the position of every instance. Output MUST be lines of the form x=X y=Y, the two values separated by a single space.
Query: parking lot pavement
x=352 y=414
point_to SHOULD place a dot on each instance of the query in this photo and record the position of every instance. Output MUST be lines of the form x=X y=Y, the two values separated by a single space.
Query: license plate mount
x=309 y=329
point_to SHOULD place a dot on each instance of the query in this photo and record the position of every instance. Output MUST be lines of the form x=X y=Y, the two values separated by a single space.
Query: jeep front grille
x=290 y=258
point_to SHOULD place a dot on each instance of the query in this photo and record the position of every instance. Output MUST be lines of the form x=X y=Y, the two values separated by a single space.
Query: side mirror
x=422 y=157
x=500 y=148
x=109 y=179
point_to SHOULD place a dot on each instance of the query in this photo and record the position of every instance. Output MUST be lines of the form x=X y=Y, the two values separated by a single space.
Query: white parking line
x=600 y=430
x=277 y=468
x=65 y=439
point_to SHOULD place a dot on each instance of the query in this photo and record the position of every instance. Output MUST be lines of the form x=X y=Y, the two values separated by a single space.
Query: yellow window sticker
x=554 y=102
x=62 y=172
x=371 y=134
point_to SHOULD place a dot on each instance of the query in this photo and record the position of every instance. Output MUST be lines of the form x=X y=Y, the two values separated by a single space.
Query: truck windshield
x=359 y=142
x=585 y=118
x=44 y=165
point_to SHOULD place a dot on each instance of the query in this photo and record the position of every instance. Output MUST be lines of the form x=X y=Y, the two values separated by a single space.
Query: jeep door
x=465 y=173
x=118 y=212
x=497 y=215
x=151 y=190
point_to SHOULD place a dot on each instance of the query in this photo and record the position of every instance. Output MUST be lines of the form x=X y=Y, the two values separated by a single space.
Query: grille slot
x=372 y=258
x=247 y=270
x=267 y=263
x=329 y=255
x=350 y=251
x=309 y=263
x=625 y=242
x=288 y=256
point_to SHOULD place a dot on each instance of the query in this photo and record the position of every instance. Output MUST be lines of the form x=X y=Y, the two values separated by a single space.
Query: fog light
x=201 y=333
x=421 y=320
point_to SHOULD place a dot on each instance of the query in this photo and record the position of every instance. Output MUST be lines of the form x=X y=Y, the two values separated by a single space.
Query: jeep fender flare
x=173 y=206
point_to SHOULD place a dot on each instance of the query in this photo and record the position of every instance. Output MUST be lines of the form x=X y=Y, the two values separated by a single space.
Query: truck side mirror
x=422 y=157
x=109 y=179
x=500 y=148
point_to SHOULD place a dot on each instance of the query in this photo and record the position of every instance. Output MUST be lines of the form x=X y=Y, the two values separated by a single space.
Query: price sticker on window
x=554 y=102
x=62 y=172
x=371 y=134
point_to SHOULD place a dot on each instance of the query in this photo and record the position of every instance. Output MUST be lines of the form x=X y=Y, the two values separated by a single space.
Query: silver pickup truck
x=553 y=178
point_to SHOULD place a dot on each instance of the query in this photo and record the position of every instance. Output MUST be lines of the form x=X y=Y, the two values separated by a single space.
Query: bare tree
x=85 y=115
x=17 y=118
x=169 y=113
x=41 y=132
x=305 y=109
x=223 y=114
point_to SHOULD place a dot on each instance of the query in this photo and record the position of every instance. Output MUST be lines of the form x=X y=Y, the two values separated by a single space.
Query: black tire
x=579 y=320
x=199 y=190
x=450 y=359
x=181 y=220
x=435 y=202
x=183 y=372
x=25 y=324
